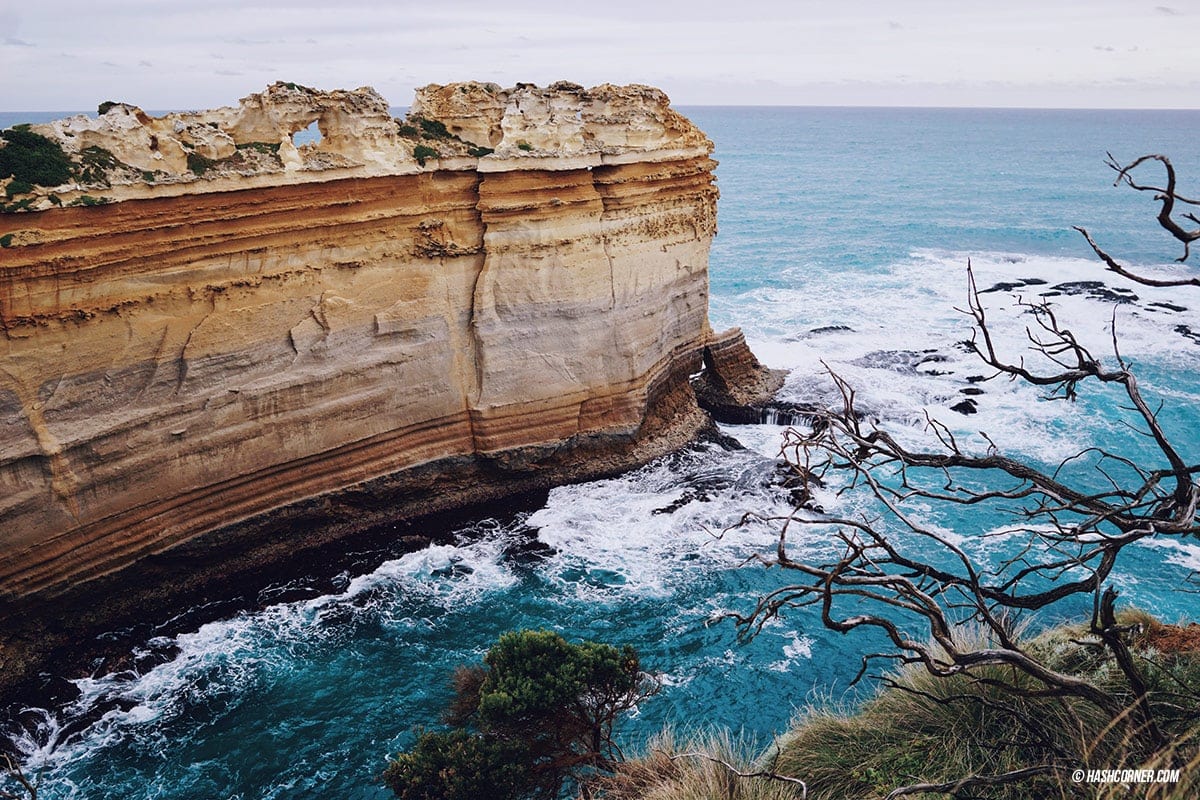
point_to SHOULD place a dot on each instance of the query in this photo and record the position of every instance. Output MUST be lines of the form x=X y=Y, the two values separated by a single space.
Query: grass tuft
x=689 y=767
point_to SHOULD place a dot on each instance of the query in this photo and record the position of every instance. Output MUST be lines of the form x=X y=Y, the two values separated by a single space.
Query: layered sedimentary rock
x=220 y=329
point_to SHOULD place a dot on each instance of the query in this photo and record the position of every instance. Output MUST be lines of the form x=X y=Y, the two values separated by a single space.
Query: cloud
x=709 y=58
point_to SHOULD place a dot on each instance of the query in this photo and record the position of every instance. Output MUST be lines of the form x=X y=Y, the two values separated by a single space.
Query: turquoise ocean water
x=844 y=237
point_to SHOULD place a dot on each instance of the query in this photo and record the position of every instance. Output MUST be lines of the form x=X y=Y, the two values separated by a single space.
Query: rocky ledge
x=242 y=349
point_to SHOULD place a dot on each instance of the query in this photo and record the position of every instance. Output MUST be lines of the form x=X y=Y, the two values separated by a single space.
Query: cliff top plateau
x=124 y=153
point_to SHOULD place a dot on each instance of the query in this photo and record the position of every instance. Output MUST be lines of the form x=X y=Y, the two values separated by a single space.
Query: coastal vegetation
x=422 y=152
x=537 y=715
x=988 y=732
x=434 y=130
x=961 y=733
x=199 y=164
x=31 y=158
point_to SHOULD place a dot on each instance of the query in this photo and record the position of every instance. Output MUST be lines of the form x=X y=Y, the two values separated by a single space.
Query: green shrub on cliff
x=33 y=159
x=539 y=713
x=434 y=129
x=94 y=165
x=459 y=765
x=422 y=152
x=199 y=164
x=17 y=186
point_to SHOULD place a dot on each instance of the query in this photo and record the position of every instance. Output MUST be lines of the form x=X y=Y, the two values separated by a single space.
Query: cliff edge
x=222 y=347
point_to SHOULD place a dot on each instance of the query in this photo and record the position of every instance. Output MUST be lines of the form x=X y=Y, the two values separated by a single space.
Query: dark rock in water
x=414 y=542
x=976 y=378
x=58 y=690
x=829 y=329
x=903 y=361
x=971 y=390
x=769 y=413
x=896 y=360
x=528 y=549
x=1187 y=333
x=1169 y=306
x=288 y=593
x=688 y=496
x=697 y=473
x=157 y=651
x=936 y=359
x=967 y=406
x=1095 y=290
x=799 y=482
x=1008 y=286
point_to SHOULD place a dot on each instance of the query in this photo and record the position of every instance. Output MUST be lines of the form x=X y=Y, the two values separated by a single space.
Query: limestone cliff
x=217 y=337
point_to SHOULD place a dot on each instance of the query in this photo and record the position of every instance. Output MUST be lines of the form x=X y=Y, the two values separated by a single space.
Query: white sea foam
x=1182 y=554
x=900 y=351
x=637 y=532
x=796 y=648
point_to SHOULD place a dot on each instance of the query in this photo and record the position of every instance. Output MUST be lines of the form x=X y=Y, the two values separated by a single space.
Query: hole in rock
x=309 y=135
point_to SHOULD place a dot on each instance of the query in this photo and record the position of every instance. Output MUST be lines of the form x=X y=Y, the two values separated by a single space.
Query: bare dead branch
x=1167 y=197
x=1125 y=272
x=764 y=774
x=13 y=769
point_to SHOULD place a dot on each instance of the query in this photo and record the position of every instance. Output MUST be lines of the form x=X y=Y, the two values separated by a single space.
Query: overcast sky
x=163 y=54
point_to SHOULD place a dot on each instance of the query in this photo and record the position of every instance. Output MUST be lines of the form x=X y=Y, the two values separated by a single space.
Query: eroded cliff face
x=337 y=327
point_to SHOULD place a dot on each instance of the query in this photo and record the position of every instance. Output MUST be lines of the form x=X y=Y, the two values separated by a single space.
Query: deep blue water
x=860 y=218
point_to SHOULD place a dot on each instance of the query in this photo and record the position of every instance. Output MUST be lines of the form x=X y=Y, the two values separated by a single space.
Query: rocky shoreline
x=301 y=550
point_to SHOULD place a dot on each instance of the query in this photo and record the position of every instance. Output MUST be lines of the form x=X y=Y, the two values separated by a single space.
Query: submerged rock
x=967 y=406
x=1096 y=290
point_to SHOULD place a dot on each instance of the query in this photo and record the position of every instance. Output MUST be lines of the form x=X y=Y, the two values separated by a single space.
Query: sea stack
x=223 y=346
